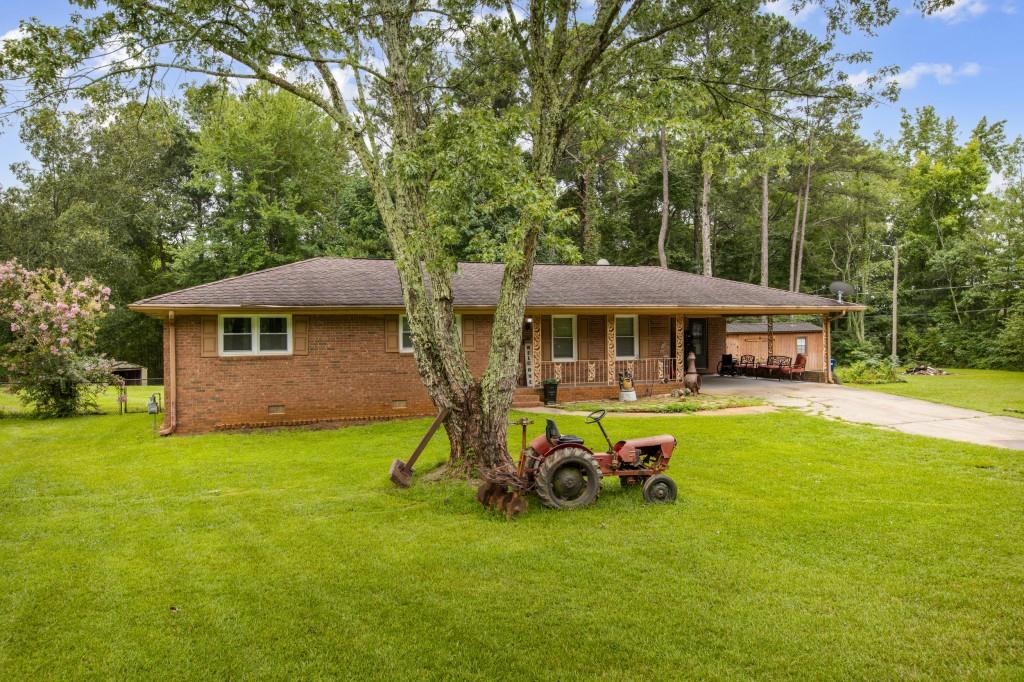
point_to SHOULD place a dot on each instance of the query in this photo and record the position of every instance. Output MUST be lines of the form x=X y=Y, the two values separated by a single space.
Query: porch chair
x=727 y=366
x=765 y=368
x=783 y=364
x=797 y=370
x=746 y=364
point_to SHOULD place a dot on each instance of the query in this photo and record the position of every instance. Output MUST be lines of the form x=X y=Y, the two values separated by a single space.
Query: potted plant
x=550 y=391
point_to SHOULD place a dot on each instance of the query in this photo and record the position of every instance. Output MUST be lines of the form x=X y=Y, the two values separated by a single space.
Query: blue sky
x=968 y=62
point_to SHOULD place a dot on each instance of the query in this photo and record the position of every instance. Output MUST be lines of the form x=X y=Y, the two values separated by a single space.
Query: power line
x=950 y=313
x=887 y=294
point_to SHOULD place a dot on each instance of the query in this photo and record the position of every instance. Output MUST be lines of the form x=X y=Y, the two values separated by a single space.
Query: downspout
x=171 y=384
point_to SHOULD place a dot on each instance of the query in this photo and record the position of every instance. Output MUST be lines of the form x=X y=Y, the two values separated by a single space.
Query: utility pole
x=895 y=297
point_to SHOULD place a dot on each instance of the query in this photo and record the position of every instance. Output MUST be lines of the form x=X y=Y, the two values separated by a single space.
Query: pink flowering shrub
x=48 y=326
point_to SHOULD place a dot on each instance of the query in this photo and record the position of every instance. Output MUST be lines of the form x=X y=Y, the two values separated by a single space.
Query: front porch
x=587 y=353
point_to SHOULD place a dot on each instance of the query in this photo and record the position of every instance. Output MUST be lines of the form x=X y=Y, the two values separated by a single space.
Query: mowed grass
x=987 y=390
x=665 y=404
x=106 y=401
x=800 y=548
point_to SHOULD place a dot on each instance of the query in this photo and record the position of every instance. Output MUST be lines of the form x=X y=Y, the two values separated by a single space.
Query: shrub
x=1009 y=344
x=50 y=323
x=870 y=371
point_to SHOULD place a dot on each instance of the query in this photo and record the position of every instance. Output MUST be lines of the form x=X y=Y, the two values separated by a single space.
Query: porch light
x=529 y=320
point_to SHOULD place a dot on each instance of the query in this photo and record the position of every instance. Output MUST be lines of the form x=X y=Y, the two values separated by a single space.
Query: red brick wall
x=346 y=375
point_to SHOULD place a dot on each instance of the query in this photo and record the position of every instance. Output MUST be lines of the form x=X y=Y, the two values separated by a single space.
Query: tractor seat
x=556 y=438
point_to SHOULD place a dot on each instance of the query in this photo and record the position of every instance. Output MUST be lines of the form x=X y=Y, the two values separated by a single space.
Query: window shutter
x=300 y=335
x=391 y=334
x=468 y=338
x=208 y=346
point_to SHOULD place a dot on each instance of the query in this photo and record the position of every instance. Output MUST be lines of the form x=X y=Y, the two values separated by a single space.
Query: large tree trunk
x=590 y=235
x=764 y=229
x=803 y=233
x=477 y=424
x=795 y=236
x=663 y=233
x=705 y=226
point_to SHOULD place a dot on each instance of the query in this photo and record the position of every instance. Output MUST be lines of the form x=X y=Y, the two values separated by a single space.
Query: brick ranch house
x=325 y=339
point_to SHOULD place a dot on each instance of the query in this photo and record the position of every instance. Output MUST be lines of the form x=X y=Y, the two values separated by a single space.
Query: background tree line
x=733 y=153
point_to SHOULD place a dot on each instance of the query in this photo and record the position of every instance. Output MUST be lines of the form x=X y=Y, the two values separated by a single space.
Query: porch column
x=826 y=346
x=535 y=342
x=609 y=355
x=680 y=347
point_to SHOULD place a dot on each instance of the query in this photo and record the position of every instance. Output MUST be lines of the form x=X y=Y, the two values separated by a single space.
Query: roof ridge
x=233 y=277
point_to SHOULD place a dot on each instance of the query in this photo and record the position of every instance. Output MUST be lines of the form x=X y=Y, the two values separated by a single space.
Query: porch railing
x=595 y=372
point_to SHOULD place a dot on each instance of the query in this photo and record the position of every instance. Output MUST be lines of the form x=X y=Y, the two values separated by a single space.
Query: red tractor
x=566 y=474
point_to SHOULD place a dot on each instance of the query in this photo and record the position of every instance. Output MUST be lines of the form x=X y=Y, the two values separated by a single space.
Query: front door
x=696 y=340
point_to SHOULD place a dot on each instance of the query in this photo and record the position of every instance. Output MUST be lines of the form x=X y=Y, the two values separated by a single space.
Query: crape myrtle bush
x=48 y=338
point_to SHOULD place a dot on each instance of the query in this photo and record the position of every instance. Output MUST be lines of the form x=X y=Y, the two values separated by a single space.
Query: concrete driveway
x=870 y=407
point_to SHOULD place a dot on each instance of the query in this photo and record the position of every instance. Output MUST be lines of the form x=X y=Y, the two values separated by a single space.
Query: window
x=255 y=335
x=625 y=337
x=801 y=345
x=405 y=333
x=563 y=338
x=236 y=335
x=274 y=334
x=697 y=341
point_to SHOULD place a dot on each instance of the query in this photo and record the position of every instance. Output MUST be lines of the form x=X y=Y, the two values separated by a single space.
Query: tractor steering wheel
x=594 y=417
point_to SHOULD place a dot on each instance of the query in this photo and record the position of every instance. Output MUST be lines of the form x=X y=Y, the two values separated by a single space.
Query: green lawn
x=988 y=390
x=664 y=404
x=106 y=402
x=800 y=548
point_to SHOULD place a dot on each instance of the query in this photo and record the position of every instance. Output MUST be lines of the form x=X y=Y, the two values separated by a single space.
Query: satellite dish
x=841 y=290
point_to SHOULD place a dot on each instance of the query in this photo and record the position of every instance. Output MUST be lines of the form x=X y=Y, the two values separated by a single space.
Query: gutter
x=171 y=384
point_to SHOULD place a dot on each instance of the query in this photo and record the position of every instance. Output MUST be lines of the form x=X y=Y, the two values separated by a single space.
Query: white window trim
x=797 y=345
x=255 y=331
x=401 y=321
x=574 y=338
x=636 y=337
x=401 y=337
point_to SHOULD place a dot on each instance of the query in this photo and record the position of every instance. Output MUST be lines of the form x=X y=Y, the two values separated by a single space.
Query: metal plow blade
x=499 y=498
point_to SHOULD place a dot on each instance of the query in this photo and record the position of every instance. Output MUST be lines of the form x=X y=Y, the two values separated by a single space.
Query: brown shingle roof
x=362 y=283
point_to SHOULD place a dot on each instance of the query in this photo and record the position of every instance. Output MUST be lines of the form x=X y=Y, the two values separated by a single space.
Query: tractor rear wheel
x=660 y=489
x=568 y=479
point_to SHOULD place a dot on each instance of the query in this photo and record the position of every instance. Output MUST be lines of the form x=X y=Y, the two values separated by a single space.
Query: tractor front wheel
x=660 y=489
x=568 y=479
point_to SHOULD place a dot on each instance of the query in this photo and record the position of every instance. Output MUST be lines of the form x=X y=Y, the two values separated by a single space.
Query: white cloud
x=13 y=34
x=970 y=69
x=858 y=80
x=961 y=10
x=997 y=183
x=1009 y=8
x=944 y=74
x=784 y=8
